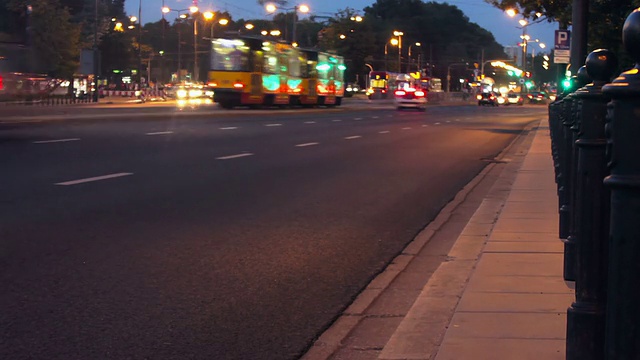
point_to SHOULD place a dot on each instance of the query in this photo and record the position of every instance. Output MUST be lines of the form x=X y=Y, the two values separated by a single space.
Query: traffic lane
x=36 y=169
x=106 y=148
x=283 y=235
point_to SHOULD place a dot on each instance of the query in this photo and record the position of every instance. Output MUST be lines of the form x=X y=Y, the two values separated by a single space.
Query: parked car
x=537 y=97
x=514 y=99
x=487 y=98
x=407 y=96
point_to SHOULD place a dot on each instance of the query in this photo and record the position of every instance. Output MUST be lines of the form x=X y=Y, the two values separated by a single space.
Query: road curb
x=332 y=338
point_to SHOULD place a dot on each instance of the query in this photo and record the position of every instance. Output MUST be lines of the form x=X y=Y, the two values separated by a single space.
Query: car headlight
x=208 y=93
x=195 y=93
x=181 y=93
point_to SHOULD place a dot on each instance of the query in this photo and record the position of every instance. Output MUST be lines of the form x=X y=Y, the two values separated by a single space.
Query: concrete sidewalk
x=498 y=294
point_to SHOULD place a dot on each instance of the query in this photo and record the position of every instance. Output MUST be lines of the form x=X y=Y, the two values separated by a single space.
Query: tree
x=605 y=27
x=52 y=35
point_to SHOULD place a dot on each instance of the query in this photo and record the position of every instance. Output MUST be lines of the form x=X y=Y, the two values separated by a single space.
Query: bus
x=382 y=84
x=253 y=71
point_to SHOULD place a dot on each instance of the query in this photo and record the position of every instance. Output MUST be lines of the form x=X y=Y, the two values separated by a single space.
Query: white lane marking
x=307 y=144
x=54 y=141
x=228 y=128
x=448 y=121
x=233 y=156
x=160 y=133
x=389 y=115
x=273 y=125
x=357 y=118
x=425 y=125
x=336 y=120
x=437 y=123
x=352 y=137
x=374 y=117
x=309 y=122
x=457 y=119
x=407 y=128
x=97 y=178
x=383 y=132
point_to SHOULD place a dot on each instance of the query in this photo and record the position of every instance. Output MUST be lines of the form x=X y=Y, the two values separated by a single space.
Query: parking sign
x=563 y=40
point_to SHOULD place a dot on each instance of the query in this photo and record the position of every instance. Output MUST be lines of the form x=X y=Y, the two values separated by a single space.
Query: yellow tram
x=249 y=71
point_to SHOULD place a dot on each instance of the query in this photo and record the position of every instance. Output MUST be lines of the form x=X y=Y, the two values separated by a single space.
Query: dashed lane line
x=437 y=123
x=383 y=132
x=358 y=118
x=91 y=179
x=55 y=141
x=272 y=125
x=228 y=128
x=374 y=117
x=159 y=133
x=309 y=122
x=228 y=157
x=352 y=137
x=336 y=120
x=406 y=128
x=307 y=144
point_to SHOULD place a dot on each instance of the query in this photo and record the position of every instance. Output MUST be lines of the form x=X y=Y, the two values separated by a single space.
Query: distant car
x=410 y=97
x=537 y=97
x=487 y=98
x=514 y=99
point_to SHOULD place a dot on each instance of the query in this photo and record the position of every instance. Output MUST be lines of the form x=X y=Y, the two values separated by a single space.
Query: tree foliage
x=606 y=17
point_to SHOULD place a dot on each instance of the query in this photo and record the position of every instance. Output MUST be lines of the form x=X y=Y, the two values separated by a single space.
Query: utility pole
x=579 y=20
x=96 y=57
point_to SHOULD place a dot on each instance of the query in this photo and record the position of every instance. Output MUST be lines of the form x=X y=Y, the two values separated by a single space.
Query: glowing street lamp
x=248 y=26
x=271 y=8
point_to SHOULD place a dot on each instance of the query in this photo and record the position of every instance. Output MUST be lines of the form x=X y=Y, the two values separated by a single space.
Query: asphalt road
x=221 y=236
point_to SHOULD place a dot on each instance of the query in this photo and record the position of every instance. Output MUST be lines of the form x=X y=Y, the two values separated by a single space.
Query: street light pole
x=399 y=35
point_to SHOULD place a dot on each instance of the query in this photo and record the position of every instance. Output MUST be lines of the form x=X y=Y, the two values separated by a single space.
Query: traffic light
x=528 y=84
x=566 y=84
x=510 y=73
x=527 y=74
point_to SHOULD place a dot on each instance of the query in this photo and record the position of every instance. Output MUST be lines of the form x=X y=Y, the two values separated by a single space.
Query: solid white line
x=407 y=128
x=228 y=128
x=384 y=132
x=307 y=144
x=160 y=133
x=336 y=120
x=273 y=125
x=54 y=141
x=352 y=137
x=97 y=178
x=233 y=156
x=309 y=122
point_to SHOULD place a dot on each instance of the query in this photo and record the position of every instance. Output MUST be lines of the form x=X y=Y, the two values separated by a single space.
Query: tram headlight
x=181 y=94
x=195 y=93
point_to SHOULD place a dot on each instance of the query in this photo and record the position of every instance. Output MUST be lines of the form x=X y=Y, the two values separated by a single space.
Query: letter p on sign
x=562 y=40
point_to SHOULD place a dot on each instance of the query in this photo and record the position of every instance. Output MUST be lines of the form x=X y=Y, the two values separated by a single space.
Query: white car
x=409 y=97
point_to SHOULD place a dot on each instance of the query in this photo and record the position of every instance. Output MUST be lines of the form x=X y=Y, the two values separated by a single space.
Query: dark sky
x=503 y=28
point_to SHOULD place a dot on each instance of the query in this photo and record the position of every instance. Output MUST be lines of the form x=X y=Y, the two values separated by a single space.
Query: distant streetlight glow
x=303 y=8
x=223 y=22
x=248 y=26
x=270 y=8
x=523 y=22
x=394 y=42
x=511 y=12
x=193 y=9
x=208 y=15
x=343 y=36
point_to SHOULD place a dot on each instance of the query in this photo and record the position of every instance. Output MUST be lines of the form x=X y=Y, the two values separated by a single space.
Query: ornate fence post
x=622 y=333
x=590 y=206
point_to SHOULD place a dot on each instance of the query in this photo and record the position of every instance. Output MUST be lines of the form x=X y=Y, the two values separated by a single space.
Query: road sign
x=562 y=40
x=521 y=81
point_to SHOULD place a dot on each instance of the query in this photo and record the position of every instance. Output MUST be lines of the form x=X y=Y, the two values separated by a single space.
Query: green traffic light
x=566 y=84
x=510 y=73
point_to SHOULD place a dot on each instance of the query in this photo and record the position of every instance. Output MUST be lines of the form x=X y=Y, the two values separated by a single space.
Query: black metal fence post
x=590 y=206
x=622 y=331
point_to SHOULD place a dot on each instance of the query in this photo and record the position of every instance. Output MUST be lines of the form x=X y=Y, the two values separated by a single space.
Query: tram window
x=270 y=63
x=229 y=55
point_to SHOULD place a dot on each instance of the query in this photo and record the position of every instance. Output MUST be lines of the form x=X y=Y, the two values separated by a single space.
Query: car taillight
x=384 y=91
x=212 y=84
x=419 y=93
x=1 y=83
x=530 y=96
x=400 y=93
